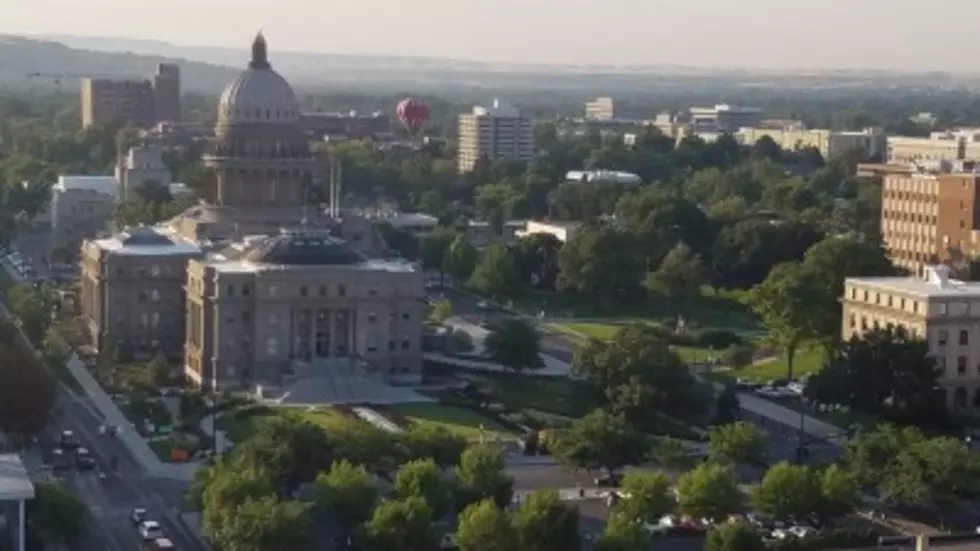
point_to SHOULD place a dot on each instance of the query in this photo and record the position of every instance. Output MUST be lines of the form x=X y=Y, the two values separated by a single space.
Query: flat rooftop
x=953 y=288
x=156 y=241
x=15 y=484
x=371 y=265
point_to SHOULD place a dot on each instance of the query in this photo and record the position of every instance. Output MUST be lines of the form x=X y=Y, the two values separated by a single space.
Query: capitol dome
x=258 y=94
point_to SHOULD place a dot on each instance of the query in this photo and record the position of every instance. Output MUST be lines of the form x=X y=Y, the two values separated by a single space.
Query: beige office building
x=81 y=208
x=943 y=311
x=300 y=301
x=141 y=103
x=139 y=165
x=498 y=132
x=950 y=145
x=131 y=295
x=600 y=109
x=870 y=142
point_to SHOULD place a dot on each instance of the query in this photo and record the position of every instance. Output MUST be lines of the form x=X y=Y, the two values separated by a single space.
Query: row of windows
x=272 y=346
x=910 y=196
x=889 y=299
x=930 y=219
x=876 y=325
x=961 y=364
x=273 y=318
x=304 y=291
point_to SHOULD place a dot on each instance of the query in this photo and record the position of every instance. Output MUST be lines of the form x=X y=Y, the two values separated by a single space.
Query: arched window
x=964 y=337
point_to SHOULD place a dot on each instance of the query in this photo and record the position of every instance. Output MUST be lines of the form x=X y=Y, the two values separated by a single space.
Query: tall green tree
x=347 y=493
x=734 y=536
x=679 y=277
x=57 y=516
x=785 y=302
x=423 y=479
x=602 y=262
x=428 y=442
x=483 y=526
x=546 y=523
x=839 y=489
x=460 y=258
x=600 y=440
x=788 y=490
x=739 y=442
x=709 y=491
x=537 y=260
x=400 y=526
x=482 y=475
x=623 y=534
x=515 y=344
x=496 y=274
x=289 y=449
x=267 y=524
x=647 y=496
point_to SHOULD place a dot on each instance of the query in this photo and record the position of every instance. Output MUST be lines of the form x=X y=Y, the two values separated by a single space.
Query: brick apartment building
x=140 y=103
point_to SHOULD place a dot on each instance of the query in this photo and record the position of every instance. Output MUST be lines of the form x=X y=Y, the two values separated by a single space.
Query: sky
x=773 y=34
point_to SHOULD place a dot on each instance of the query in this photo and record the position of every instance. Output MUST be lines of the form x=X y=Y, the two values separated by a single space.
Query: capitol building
x=252 y=289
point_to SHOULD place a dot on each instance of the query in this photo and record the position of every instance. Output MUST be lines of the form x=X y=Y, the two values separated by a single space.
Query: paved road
x=112 y=499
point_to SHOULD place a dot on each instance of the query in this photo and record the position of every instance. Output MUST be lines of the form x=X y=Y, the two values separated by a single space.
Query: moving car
x=150 y=530
x=159 y=544
x=137 y=516
x=84 y=460
x=68 y=440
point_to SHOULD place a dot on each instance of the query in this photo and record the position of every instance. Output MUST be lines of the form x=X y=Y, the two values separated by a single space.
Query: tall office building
x=498 y=132
x=106 y=101
x=140 y=103
x=930 y=218
x=166 y=93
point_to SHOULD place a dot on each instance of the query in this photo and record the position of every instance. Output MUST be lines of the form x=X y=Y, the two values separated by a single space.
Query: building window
x=141 y=296
x=155 y=295
x=372 y=317
x=943 y=308
x=155 y=320
x=853 y=321
x=961 y=365
x=915 y=307
x=231 y=290
x=372 y=292
x=341 y=290
x=154 y=270
x=323 y=290
x=302 y=290
x=273 y=290
x=866 y=296
x=964 y=337
x=877 y=298
x=902 y=304
x=273 y=318
x=406 y=316
x=246 y=317
x=391 y=345
x=271 y=346
x=864 y=323
x=943 y=337
x=406 y=345
x=854 y=293
x=247 y=290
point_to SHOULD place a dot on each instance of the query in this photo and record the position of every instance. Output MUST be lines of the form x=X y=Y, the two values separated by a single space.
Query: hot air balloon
x=413 y=113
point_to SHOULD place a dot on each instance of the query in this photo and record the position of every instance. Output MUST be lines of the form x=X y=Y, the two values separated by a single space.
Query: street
x=111 y=500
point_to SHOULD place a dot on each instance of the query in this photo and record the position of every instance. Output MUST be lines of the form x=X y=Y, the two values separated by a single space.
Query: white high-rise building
x=498 y=132
x=600 y=109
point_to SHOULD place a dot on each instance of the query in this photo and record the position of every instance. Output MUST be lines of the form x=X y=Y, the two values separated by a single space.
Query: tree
x=433 y=247
x=785 y=303
x=27 y=392
x=600 y=440
x=679 y=277
x=868 y=454
x=600 y=262
x=932 y=471
x=483 y=526
x=546 y=523
x=537 y=260
x=709 y=491
x=460 y=259
x=400 y=526
x=291 y=450
x=266 y=524
x=738 y=356
x=347 y=493
x=884 y=372
x=832 y=260
x=160 y=369
x=442 y=310
x=436 y=443
x=728 y=409
x=734 y=536
x=482 y=475
x=738 y=442
x=647 y=496
x=671 y=454
x=639 y=374
x=422 y=479
x=515 y=344
x=56 y=515
x=496 y=274
x=788 y=491
x=839 y=490
x=227 y=487
x=622 y=534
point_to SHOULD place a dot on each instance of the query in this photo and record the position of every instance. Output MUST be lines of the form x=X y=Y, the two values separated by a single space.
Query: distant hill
x=20 y=57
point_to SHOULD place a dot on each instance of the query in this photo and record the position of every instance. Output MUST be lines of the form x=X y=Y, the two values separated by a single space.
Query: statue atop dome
x=260 y=53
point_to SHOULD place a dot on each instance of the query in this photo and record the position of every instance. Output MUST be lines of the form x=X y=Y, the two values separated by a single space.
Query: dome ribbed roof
x=304 y=248
x=259 y=94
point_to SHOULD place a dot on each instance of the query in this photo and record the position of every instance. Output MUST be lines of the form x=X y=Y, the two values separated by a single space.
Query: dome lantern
x=260 y=53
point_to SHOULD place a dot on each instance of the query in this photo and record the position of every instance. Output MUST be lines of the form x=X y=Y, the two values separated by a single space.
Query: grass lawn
x=461 y=421
x=807 y=361
x=238 y=425
x=556 y=395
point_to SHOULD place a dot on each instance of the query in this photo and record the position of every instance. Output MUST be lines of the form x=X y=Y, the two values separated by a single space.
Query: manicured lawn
x=600 y=331
x=556 y=395
x=461 y=421
x=806 y=361
x=238 y=425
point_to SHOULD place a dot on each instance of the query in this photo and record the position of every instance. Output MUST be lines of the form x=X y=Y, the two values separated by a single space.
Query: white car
x=796 y=387
x=780 y=534
x=803 y=531
x=150 y=530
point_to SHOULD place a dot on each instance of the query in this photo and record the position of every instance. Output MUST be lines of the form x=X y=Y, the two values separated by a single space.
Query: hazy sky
x=894 y=34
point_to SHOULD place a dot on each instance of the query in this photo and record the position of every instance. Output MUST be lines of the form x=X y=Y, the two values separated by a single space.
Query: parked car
x=84 y=460
x=159 y=544
x=68 y=440
x=608 y=480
